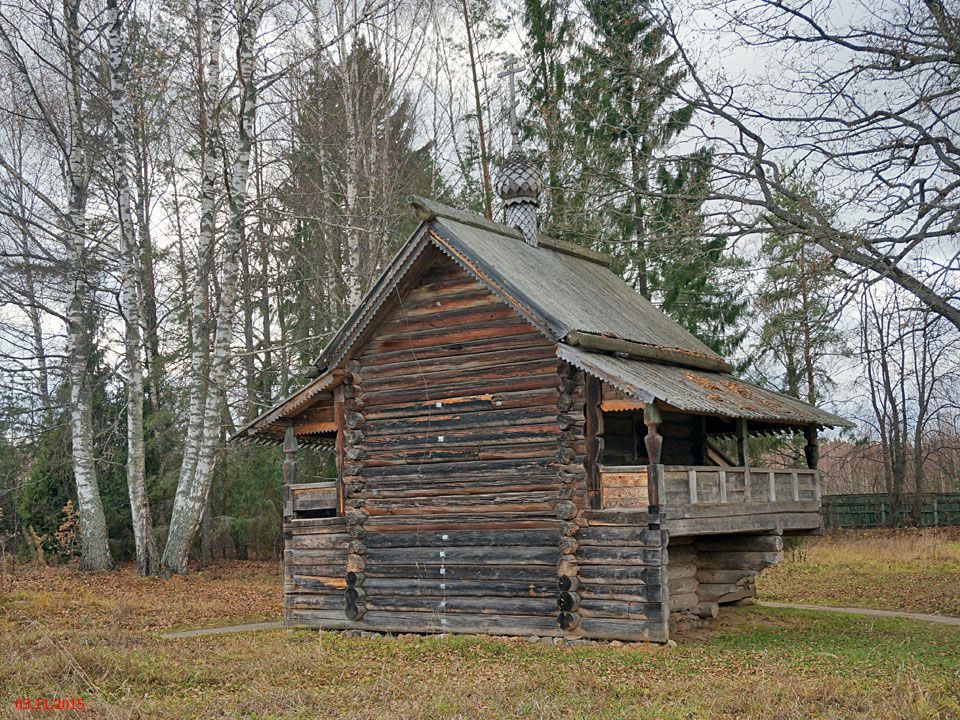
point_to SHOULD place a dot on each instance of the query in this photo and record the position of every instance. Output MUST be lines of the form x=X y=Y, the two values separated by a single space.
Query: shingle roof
x=570 y=293
x=572 y=296
x=698 y=391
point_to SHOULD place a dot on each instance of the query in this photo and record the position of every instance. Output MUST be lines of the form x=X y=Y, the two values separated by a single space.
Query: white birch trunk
x=200 y=300
x=143 y=536
x=190 y=503
x=350 y=87
x=94 y=549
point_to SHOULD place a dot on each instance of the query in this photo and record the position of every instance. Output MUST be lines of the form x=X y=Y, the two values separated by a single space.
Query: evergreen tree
x=353 y=165
x=550 y=36
x=638 y=198
x=797 y=303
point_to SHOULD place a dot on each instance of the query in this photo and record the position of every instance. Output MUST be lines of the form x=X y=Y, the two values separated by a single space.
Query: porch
x=710 y=500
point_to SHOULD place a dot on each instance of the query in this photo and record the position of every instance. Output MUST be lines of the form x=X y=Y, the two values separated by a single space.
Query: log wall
x=461 y=455
x=707 y=571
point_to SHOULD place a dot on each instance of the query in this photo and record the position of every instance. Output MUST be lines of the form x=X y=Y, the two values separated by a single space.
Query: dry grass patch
x=97 y=637
x=911 y=570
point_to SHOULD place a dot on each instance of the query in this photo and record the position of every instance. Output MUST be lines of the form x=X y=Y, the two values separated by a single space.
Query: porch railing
x=631 y=486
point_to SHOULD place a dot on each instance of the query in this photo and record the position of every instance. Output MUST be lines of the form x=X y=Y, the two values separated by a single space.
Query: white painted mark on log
x=439 y=438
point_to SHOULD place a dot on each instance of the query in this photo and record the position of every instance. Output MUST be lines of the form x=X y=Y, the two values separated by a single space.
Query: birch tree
x=130 y=301
x=192 y=492
x=27 y=44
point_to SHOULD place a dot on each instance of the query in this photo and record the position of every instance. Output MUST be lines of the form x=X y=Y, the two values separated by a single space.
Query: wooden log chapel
x=526 y=446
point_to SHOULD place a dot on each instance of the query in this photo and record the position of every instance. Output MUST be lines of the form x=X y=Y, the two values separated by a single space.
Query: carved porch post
x=653 y=440
x=289 y=456
x=742 y=433
x=812 y=448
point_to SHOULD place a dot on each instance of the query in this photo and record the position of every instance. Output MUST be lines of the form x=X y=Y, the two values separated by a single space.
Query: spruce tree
x=643 y=199
x=797 y=304
x=547 y=48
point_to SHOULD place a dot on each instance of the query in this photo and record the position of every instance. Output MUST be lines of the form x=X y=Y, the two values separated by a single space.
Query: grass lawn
x=913 y=570
x=96 y=636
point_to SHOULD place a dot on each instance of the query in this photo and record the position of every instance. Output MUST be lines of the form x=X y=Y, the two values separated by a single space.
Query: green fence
x=871 y=511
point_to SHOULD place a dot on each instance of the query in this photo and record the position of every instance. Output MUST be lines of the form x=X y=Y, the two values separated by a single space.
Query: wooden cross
x=511 y=69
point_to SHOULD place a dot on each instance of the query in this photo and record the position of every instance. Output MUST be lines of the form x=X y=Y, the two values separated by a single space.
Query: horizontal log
x=511 y=573
x=445 y=348
x=447 y=454
x=620 y=574
x=780 y=521
x=734 y=560
x=461 y=486
x=317 y=541
x=445 y=297
x=681 y=571
x=474 y=468
x=319 y=602
x=463 y=333
x=402 y=324
x=435 y=420
x=460 y=588
x=618 y=555
x=682 y=586
x=452 y=604
x=441 y=369
x=316 y=525
x=492 y=554
x=475 y=538
x=507 y=368
x=639 y=518
x=318 y=584
x=493 y=624
x=681 y=554
x=612 y=535
x=620 y=609
x=707 y=576
x=630 y=630
x=649 y=352
x=315 y=557
x=379 y=621
x=629 y=593
x=683 y=601
x=738 y=543
x=481 y=437
x=530 y=502
x=546 y=379
x=456 y=521
x=296 y=566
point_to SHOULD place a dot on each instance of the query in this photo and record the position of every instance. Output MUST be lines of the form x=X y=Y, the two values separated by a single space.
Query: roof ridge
x=428 y=210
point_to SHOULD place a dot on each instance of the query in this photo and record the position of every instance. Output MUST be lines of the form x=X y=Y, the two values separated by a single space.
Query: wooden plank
x=743 y=523
x=692 y=485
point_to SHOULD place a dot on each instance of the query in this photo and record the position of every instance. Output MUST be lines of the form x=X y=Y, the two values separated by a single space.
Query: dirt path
x=249 y=627
x=942 y=619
